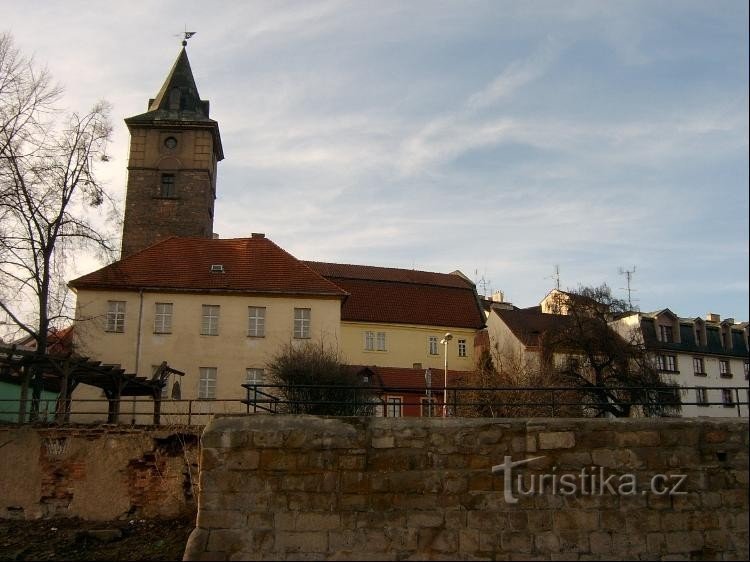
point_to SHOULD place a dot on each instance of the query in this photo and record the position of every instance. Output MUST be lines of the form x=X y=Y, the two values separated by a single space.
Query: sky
x=500 y=138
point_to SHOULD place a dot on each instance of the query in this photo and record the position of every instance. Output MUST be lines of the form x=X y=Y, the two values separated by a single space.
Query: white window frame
x=666 y=333
x=394 y=406
x=701 y=396
x=432 y=345
x=163 y=318
x=699 y=367
x=666 y=363
x=302 y=318
x=115 y=317
x=254 y=375
x=374 y=341
x=207 y=383
x=462 y=348
x=210 y=319
x=256 y=321
x=725 y=368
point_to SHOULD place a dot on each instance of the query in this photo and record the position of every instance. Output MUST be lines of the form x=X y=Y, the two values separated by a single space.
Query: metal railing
x=359 y=400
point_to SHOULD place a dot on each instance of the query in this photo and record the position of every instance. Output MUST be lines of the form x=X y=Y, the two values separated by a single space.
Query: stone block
x=221 y=519
x=546 y=542
x=557 y=440
x=424 y=519
x=312 y=521
x=684 y=542
x=600 y=542
x=308 y=542
x=575 y=520
x=519 y=542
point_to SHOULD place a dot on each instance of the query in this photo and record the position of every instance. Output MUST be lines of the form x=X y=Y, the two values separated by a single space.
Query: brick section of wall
x=302 y=488
x=101 y=473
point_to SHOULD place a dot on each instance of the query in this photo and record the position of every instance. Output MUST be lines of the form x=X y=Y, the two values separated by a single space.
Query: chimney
x=713 y=317
x=498 y=296
x=258 y=235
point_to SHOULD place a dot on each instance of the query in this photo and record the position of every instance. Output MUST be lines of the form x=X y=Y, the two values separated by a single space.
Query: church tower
x=174 y=148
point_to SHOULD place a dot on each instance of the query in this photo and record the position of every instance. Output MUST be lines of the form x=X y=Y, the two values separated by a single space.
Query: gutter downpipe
x=138 y=346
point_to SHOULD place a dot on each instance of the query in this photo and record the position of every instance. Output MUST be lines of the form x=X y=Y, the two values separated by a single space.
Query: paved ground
x=73 y=539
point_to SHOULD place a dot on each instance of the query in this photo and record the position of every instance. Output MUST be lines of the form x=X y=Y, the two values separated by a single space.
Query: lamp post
x=448 y=337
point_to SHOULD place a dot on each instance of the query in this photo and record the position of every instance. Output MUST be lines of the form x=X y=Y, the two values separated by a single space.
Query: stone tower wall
x=149 y=217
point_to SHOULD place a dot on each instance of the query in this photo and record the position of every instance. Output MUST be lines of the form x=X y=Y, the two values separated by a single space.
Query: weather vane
x=186 y=35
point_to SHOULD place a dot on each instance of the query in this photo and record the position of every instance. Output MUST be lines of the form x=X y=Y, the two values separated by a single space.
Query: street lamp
x=448 y=337
x=428 y=386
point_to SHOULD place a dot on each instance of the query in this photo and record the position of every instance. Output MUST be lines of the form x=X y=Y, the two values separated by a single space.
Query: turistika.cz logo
x=590 y=481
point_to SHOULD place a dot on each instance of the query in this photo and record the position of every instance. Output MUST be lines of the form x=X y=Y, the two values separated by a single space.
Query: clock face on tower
x=170 y=142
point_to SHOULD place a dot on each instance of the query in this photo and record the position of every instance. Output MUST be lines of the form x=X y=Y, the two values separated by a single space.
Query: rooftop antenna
x=483 y=283
x=556 y=277
x=628 y=273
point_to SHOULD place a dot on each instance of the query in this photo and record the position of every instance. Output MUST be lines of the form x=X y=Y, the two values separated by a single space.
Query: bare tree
x=48 y=186
x=313 y=379
x=615 y=375
x=509 y=386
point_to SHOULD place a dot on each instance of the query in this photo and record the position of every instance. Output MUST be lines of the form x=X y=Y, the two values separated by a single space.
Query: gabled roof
x=250 y=265
x=404 y=296
x=529 y=324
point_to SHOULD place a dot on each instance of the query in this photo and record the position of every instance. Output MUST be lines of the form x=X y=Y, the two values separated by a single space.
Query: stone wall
x=274 y=487
x=102 y=473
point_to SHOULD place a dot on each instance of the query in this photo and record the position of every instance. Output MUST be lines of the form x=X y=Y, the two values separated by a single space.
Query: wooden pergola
x=64 y=372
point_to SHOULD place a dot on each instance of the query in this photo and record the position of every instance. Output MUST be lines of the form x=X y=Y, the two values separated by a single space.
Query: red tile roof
x=250 y=265
x=404 y=296
x=404 y=378
x=528 y=324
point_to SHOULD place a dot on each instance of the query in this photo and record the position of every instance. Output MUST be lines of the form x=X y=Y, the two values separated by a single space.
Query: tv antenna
x=628 y=273
x=483 y=283
x=556 y=277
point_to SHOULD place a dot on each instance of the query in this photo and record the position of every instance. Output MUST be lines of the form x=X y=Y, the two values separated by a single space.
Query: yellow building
x=214 y=309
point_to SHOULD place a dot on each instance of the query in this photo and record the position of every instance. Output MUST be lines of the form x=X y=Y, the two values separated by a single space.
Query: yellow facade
x=406 y=345
x=138 y=348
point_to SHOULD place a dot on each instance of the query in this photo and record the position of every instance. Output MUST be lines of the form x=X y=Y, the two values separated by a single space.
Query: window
x=301 y=323
x=393 y=406
x=210 y=320
x=726 y=397
x=432 y=343
x=698 y=338
x=428 y=407
x=462 y=348
x=115 y=316
x=374 y=341
x=701 y=396
x=666 y=363
x=207 y=383
x=666 y=333
x=698 y=366
x=254 y=376
x=256 y=321
x=747 y=369
x=163 y=318
x=724 y=369
x=167 y=189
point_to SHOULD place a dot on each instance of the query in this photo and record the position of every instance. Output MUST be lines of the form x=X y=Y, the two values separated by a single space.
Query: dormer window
x=217 y=268
x=666 y=334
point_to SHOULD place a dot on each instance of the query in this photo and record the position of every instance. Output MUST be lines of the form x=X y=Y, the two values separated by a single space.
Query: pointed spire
x=178 y=98
x=179 y=92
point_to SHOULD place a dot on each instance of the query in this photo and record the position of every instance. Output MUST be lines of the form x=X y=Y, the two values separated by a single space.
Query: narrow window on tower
x=167 y=188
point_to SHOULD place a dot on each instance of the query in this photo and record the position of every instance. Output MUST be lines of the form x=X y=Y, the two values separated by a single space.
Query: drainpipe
x=138 y=345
